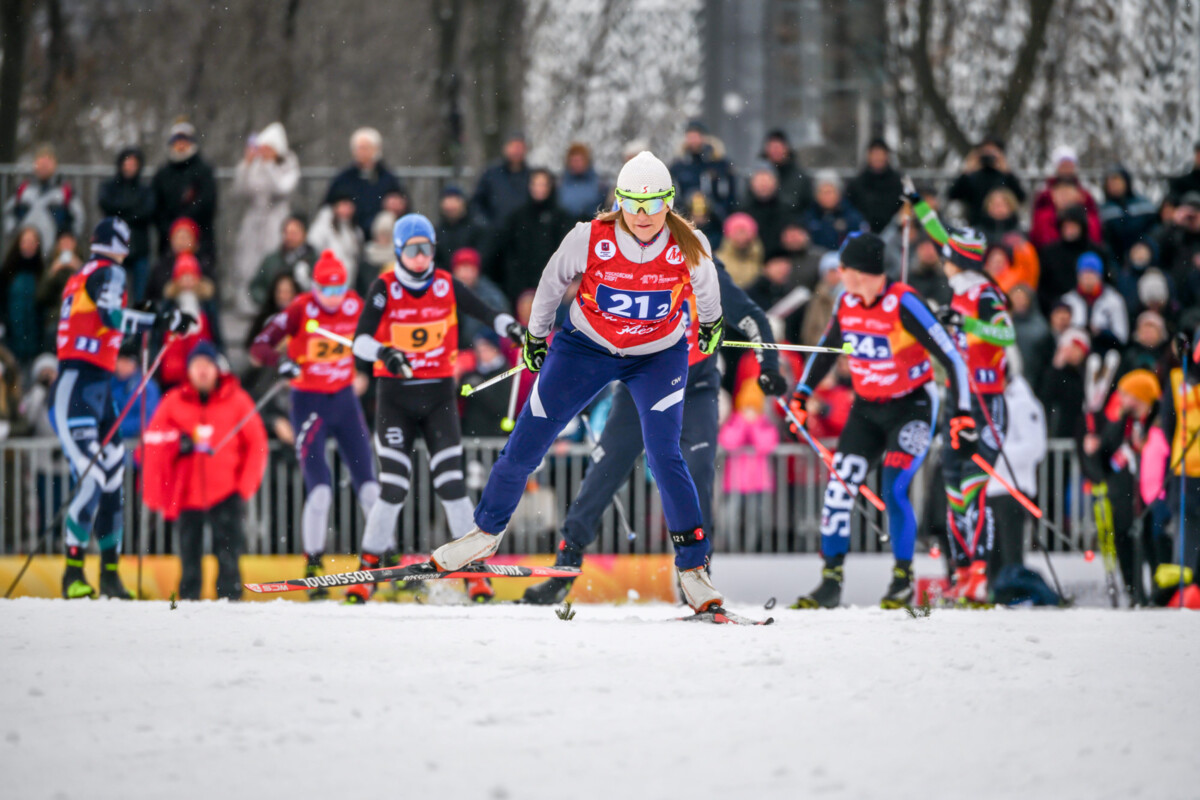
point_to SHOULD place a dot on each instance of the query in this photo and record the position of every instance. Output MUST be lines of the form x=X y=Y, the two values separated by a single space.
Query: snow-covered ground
x=111 y=700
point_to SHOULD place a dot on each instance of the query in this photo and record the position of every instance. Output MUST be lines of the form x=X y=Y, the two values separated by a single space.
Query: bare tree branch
x=14 y=34
x=923 y=72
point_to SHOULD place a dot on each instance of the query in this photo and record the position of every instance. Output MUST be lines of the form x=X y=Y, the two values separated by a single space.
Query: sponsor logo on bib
x=674 y=255
x=889 y=303
x=350 y=307
x=441 y=287
x=396 y=290
x=605 y=249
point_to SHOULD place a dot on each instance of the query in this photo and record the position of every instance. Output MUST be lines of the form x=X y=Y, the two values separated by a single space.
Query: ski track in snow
x=131 y=700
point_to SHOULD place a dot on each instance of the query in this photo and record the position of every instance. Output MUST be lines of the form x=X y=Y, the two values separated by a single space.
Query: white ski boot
x=698 y=589
x=475 y=546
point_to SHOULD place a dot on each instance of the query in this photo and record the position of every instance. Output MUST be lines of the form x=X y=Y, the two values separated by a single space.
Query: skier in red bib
x=409 y=328
x=92 y=324
x=894 y=414
x=978 y=315
x=324 y=402
x=637 y=266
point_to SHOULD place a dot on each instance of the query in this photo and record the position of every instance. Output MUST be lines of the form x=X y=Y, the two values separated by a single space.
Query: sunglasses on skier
x=420 y=248
x=650 y=203
x=333 y=290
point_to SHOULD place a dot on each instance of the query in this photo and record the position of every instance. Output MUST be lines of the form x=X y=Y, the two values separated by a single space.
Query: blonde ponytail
x=680 y=228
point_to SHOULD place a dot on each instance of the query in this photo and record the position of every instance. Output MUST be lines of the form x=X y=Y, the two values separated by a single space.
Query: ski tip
x=309 y=326
x=467 y=390
x=254 y=587
x=848 y=348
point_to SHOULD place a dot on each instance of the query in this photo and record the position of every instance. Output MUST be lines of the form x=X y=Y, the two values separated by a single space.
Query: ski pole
x=827 y=458
x=274 y=390
x=141 y=538
x=468 y=390
x=1184 y=357
x=616 y=501
x=904 y=248
x=845 y=349
x=312 y=326
x=510 y=419
x=62 y=511
x=987 y=416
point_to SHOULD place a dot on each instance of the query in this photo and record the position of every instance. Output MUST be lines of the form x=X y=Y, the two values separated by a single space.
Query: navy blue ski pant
x=621 y=444
x=576 y=370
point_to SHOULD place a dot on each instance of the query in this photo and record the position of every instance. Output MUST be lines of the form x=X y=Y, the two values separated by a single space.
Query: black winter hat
x=864 y=253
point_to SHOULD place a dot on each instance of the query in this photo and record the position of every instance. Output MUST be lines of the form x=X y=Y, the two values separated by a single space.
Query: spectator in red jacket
x=1062 y=191
x=199 y=470
x=187 y=290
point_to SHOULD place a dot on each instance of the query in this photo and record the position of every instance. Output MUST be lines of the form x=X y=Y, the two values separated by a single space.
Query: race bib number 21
x=634 y=305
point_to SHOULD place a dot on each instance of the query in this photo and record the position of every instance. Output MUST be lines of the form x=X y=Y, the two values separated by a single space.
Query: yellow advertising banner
x=605 y=579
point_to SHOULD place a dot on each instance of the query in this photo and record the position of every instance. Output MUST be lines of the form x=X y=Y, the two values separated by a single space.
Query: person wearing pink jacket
x=747 y=438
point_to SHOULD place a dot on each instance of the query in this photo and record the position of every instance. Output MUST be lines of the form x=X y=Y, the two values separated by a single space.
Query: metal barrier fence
x=34 y=482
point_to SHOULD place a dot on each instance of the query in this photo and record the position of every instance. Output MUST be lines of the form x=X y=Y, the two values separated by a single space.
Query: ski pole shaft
x=62 y=510
x=1017 y=494
x=845 y=349
x=312 y=326
x=510 y=419
x=827 y=459
x=141 y=473
x=266 y=398
x=468 y=390
x=1184 y=357
x=904 y=248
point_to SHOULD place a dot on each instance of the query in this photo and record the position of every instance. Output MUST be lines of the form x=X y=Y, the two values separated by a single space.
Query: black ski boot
x=74 y=583
x=555 y=590
x=900 y=591
x=549 y=592
x=829 y=593
x=312 y=568
x=110 y=578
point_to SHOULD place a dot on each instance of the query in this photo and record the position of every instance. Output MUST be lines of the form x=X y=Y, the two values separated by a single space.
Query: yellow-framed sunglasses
x=652 y=204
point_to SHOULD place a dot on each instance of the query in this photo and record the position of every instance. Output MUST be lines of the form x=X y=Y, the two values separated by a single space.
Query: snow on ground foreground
x=132 y=700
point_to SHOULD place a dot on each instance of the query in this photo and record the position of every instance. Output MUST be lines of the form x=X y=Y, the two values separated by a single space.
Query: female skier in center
x=639 y=264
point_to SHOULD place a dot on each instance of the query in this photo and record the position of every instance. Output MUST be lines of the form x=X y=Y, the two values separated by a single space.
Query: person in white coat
x=266 y=178
x=1095 y=306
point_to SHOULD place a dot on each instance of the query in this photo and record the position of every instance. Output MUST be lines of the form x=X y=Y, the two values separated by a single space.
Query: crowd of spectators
x=1087 y=268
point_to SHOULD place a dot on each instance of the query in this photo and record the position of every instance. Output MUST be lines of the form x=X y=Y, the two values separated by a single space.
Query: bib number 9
x=419 y=338
x=633 y=305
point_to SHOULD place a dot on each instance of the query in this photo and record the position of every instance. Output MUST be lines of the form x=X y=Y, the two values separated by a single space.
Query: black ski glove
x=771 y=382
x=289 y=369
x=395 y=362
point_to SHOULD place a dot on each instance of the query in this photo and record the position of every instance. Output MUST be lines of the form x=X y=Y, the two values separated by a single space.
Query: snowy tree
x=609 y=72
x=1116 y=79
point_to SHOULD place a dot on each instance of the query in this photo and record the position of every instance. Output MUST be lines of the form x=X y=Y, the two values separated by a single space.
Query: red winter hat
x=185 y=222
x=465 y=255
x=329 y=271
x=185 y=264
